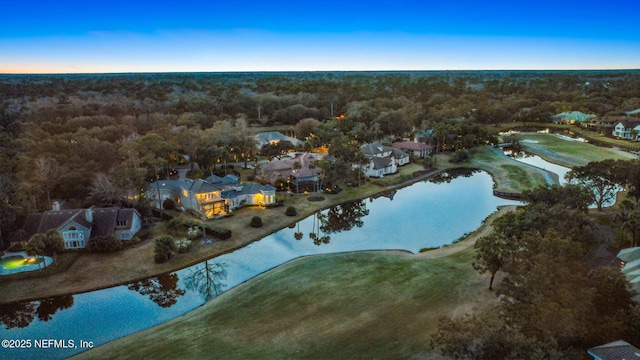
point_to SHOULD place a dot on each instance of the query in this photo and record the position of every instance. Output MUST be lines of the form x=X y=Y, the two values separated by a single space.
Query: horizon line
x=311 y=71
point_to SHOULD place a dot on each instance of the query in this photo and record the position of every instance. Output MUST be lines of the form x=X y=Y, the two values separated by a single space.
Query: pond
x=425 y=214
x=537 y=161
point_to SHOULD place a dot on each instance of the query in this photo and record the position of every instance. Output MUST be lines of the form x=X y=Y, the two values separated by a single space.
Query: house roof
x=199 y=186
x=397 y=153
x=636 y=111
x=411 y=145
x=227 y=179
x=617 y=350
x=381 y=162
x=573 y=116
x=125 y=216
x=247 y=189
x=103 y=224
x=630 y=124
x=284 y=168
x=39 y=223
x=374 y=148
x=274 y=136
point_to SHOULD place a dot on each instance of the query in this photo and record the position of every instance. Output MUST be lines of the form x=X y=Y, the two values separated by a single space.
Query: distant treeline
x=100 y=138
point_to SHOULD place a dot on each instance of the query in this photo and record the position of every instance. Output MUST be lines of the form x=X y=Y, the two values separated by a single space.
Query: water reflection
x=21 y=314
x=209 y=279
x=343 y=217
x=445 y=177
x=539 y=162
x=422 y=215
x=162 y=290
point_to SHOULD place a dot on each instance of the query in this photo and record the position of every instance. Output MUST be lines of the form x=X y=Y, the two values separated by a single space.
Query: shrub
x=291 y=211
x=134 y=240
x=164 y=247
x=256 y=221
x=184 y=246
x=160 y=258
x=169 y=204
x=104 y=244
x=16 y=246
x=194 y=233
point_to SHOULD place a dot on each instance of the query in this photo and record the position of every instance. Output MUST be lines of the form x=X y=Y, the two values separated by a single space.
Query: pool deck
x=3 y=271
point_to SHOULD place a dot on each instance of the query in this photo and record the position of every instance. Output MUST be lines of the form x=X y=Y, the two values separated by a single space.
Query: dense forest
x=90 y=139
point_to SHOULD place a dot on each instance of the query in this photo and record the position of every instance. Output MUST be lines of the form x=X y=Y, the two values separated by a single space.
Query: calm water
x=536 y=160
x=422 y=215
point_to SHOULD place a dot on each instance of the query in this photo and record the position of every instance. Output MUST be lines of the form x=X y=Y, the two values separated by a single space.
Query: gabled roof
x=380 y=162
x=247 y=189
x=617 y=350
x=39 y=223
x=629 y=124
x=199 y=186
x=227 y=179
x=374 y=148
x=398 y=154
x=411 y=145
x=267 y=137
x=573 y=116
x=103 y=224
x=125 y=216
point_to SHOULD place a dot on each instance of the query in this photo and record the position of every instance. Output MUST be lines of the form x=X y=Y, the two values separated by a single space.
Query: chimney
x=56 y=206
x=89 y=215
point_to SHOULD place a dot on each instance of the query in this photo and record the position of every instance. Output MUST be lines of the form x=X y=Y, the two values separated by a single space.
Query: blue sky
x=149 y=36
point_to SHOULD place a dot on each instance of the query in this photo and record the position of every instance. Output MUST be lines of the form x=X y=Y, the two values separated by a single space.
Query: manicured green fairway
x=508 y=174
x=557 y=149
x=360 y=305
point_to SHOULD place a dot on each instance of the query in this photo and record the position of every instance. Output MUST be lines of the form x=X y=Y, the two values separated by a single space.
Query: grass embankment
x=355 y=305
x=569 y=153
x=96 y=271
x=509 y=175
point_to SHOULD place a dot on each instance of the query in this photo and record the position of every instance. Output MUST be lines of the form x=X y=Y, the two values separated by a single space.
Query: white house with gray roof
x=383 y=160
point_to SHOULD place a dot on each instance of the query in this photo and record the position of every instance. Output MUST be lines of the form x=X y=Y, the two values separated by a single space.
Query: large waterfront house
x=383 y=160
x=414 y=147
x=304 y=176
x=628 y=129
x=211 y=197
x=572 y=117
x=273 y=137
x=77 y=226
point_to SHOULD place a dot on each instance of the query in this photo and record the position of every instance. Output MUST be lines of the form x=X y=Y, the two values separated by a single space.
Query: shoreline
x=104 y=266
x=58 y=284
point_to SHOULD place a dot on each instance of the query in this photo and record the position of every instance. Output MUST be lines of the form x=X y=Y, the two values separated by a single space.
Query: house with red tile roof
x=413 y=147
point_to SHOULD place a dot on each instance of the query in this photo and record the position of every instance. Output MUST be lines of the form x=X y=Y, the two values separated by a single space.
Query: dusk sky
x=171 y=36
